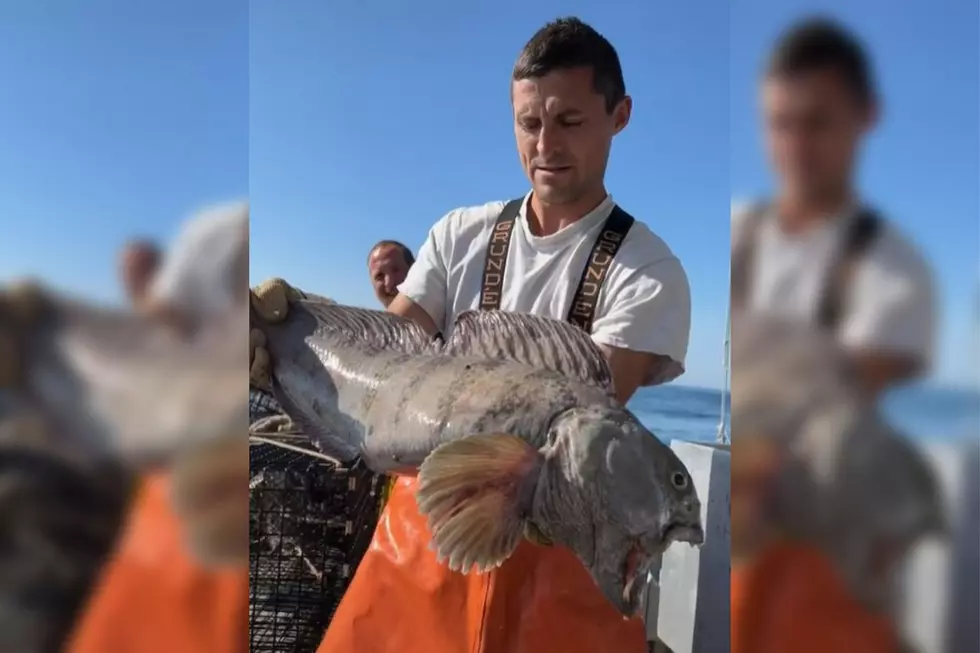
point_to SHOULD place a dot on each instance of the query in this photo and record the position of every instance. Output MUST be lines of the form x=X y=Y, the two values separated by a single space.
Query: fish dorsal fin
x=369 y=328
x=532 y=340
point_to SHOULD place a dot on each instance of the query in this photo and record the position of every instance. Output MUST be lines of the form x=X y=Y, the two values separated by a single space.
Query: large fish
x=114 y=384
x=510 y=425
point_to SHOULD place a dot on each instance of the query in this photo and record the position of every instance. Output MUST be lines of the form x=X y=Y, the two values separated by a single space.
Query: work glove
x=270 y=302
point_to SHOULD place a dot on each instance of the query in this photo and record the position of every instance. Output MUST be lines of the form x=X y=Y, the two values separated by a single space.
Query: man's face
x=388 y=268
x=564 y=133
x=139 y=263
x=814 y=124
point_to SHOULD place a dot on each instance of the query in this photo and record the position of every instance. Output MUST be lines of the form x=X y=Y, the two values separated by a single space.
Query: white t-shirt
x=196 y=273
x=644 y=304
x=889 y=308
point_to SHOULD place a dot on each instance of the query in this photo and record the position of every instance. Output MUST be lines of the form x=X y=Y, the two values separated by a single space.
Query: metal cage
x=310 y=523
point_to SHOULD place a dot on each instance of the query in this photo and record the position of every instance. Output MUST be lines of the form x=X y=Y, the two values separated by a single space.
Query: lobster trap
x=310 y=522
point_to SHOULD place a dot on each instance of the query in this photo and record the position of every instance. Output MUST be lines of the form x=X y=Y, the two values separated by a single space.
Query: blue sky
x=117 y=119
x=351 y=122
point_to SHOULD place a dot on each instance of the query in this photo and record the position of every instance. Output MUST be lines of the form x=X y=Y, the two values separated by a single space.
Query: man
x=819 y=104
x=539 y=254
x=388 y=265
x=818 y=254
x=178 y=578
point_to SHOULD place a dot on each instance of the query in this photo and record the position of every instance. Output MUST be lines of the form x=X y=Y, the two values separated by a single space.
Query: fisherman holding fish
x=818 y=255
x=564 y=251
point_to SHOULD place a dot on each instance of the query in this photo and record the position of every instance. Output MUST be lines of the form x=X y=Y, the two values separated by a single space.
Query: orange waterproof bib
x=154 y=598
x=791 y=599
x=401 y=599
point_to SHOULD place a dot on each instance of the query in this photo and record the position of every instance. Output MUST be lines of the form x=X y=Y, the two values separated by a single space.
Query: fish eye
x=679 y=480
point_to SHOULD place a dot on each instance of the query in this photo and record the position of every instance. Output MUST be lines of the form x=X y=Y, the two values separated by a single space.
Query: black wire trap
x=310 y=522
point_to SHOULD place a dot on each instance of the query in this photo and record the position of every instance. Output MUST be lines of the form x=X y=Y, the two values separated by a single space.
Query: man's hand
x=270 y=304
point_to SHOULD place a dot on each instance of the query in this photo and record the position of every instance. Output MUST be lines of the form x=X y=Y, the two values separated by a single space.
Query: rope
x=294 y=448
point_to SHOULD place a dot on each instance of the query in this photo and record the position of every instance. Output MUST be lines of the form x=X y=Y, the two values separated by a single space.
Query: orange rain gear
x=154 y=598
x=792 y=599
x=401 y=599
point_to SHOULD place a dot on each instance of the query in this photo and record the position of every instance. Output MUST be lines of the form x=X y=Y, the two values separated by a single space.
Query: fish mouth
x=636 y=566
x=692 y=534
x=639 y=561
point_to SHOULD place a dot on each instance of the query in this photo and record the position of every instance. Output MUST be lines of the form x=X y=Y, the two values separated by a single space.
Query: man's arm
x=402 y=305
x=422 y=296
x=631 y=369
x=645 y=330
x=890 y=324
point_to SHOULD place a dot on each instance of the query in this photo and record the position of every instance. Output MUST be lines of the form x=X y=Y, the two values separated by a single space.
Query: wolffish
x=510 y=425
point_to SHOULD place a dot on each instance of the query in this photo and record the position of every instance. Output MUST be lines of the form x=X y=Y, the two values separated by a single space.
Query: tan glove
x=270 y=301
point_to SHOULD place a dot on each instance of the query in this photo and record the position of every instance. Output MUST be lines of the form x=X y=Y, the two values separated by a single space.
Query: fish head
x=638 y=495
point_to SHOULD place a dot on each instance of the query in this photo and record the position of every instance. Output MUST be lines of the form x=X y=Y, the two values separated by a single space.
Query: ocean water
x=923 y=412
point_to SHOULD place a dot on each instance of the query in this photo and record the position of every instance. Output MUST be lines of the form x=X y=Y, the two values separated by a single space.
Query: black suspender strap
x=586 y=297
x=496 y=261
x=585 y=300
x=743 y=255
x=861 y=234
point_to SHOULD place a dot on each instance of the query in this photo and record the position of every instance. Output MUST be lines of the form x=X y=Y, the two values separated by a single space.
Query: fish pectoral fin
x=474 y=492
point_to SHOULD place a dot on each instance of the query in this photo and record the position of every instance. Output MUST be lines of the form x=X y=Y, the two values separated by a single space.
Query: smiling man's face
x=564 y=133
x=388 y=268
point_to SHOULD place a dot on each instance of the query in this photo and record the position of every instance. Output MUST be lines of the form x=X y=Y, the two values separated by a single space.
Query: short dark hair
x=569 y=43
x=821 y=43
x=405 y=251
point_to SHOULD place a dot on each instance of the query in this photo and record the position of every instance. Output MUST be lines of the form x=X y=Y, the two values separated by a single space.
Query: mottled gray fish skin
x=371 y=384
